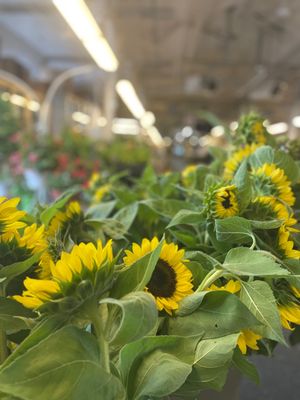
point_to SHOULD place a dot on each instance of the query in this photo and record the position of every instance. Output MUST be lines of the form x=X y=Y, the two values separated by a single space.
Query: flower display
x=163 y=275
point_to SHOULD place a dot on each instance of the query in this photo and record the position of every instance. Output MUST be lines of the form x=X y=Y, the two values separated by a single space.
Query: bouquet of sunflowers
x=158 y=288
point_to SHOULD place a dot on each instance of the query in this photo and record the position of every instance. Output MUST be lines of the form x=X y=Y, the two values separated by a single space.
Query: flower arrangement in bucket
x=156 y=290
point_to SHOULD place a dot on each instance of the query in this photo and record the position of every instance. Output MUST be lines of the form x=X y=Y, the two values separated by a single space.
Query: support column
x=110 y=103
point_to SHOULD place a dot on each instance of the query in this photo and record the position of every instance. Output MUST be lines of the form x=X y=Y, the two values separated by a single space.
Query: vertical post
x=109 y=104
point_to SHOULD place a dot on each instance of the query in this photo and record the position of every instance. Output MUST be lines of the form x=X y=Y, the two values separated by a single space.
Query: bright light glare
x=147 y=120
x=80 y=117
x=18 y=100
x=233 y=125
x=102 y=121
x=187 y=131
x=179 y=137
x=296 y=121
x=125 y=126
x=128 y=94
x=85 y=27
x=33 y=106
x=277 y=129
x=217 y=131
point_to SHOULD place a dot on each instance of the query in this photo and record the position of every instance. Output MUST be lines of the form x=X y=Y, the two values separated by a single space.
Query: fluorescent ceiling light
x=155 y=136
x=277 y=129
x=21 y=101
x=296 y=121
x=128 y=94
x=125 y=126
x=217 y=131
x=80 y=117
x=18 y=100
x=85 y=27
x=33 y=106
x=148 y=119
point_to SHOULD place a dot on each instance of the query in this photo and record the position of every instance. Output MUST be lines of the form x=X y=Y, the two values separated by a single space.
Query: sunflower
x=289 y=314
x=251 y=129
x=225 y=202
x=10 y=216
x=62 y=219
x=277 y=210
x=101 y=192
x=50 y=255
x=249 y=339
x=171 y=280
x=19 y=247
x=95 y=178
x=286 y=244
x=187 y=174
x=81 y=264
x=259 y=132
x=231 y=286
x=271 y=180
x=233 y=163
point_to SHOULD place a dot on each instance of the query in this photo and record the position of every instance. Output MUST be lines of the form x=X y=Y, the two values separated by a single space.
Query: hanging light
x=85 y=27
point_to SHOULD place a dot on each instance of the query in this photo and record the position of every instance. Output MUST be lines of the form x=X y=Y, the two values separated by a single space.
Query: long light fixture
x=296 y=121
x=81 y=118
x=21 y=101
x=278 y=128
x=128 y=94
x=85 y=27
x=125 y=126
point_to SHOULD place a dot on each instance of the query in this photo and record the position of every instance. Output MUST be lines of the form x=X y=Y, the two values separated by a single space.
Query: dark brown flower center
x=163 y=280
x=226 y=200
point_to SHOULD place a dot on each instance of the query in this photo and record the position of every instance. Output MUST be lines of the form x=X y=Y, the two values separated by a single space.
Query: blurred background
x=112 y=85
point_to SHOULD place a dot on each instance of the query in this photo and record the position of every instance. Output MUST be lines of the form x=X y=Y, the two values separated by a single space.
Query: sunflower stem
x=99 y=318
x=209 y=279
x=3 y=340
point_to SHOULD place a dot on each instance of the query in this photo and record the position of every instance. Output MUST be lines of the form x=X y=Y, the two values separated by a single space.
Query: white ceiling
x=183 y=55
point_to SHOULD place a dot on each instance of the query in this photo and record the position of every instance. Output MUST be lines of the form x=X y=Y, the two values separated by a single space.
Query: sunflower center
x=163 y=280
x=226 y=201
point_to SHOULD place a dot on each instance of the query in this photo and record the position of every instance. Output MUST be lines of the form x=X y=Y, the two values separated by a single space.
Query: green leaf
x=135 y=277
x=245 y=366
x=64 y=365
x=243 y=184
x=156 y=366
x=246 y=262
x=219 y=314
x=13 y=316
x=50 y=211
x=272 y=224
x=187 y=217
x=167 y=207
x=259 y=298
x=212 y=361
x=37 y=335
x=127 y=215
x=10 y=271
x=132 y=317
x=100 y=211
x=234 y=230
